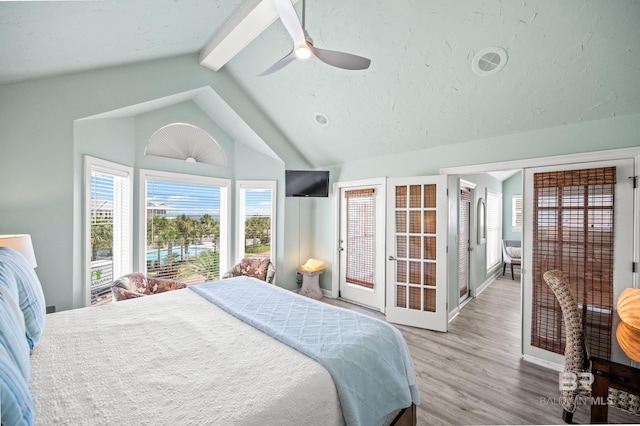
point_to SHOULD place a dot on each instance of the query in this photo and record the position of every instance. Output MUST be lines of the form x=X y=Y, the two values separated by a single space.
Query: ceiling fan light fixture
x=303 y=52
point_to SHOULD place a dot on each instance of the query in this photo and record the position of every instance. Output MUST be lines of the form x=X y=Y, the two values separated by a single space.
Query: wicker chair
x=135 y=285
x=576 y=361
x=256 y=267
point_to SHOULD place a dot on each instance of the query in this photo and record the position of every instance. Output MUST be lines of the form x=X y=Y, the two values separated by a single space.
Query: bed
x=236 y=351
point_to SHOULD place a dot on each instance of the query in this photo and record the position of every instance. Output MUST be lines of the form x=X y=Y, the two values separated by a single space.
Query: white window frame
x=157 y=175
x=498 y=211
x=241 y=186
x=516 y=201
x=121 y=266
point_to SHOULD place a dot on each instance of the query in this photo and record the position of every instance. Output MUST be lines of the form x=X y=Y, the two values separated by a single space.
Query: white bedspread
x=174 y=359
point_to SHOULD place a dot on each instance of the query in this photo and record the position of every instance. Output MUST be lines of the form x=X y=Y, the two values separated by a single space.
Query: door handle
x=392 y=258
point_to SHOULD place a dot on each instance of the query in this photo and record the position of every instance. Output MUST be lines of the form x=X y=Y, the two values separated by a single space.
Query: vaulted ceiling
x=568 y=61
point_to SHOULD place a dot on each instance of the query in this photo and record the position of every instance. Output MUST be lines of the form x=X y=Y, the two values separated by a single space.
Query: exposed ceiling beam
x=249 y=21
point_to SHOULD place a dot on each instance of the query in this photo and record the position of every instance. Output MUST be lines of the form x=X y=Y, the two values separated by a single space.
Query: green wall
x=43 y=137
x=611 y=133
x=45 y=130
x=510 y=187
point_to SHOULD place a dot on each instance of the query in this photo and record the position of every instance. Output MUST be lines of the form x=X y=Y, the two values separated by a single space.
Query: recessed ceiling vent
x=321 y=119
x=186 y=142
x=489 y=61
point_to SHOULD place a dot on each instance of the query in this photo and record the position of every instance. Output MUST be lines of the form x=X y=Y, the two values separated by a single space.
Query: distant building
x=158 y=210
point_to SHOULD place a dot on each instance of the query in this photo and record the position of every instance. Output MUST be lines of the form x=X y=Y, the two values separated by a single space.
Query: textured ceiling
x=569 y=61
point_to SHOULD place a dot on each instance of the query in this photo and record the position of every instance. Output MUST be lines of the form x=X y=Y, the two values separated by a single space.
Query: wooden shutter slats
x=361 y=229
x=573 y=232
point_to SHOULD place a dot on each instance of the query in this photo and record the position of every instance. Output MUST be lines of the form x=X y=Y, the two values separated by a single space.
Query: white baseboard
x=543 y=363
x=454 y=313
x=485 y=284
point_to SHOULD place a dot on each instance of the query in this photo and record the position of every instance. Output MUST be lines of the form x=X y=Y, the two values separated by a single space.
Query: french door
x=417 y=214
x=361 y=242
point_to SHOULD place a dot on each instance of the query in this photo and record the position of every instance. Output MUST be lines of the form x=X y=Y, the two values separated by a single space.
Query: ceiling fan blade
x=342 y=60
x=279 y=65
x=290 y=20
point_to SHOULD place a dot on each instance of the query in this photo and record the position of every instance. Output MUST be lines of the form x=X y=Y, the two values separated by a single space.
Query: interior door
x=417 y=212
x=361 y=244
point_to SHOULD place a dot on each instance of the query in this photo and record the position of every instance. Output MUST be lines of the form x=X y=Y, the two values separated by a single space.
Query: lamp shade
x=628 y=331
x=21 y=243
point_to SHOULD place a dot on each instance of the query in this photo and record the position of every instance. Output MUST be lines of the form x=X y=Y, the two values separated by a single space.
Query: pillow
x=9 y=289
x=254 y=267
x=12 y=337
x=514 y=252
x=15 y=397
x=30 y=294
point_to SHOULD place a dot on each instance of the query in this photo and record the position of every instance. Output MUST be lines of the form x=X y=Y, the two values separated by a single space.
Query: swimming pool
x=193 y=251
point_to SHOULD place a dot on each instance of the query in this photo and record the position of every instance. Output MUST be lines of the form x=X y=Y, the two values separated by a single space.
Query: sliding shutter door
x=582 y=222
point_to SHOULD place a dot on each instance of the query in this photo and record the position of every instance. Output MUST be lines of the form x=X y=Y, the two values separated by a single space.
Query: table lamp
x=21 y=243
x=628 y=331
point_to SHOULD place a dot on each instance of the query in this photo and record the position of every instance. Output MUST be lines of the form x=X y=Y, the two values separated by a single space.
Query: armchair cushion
x=514 y=252
x=135 y=285
x=256 y=267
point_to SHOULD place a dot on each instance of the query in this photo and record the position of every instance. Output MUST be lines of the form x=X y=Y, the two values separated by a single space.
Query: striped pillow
x=15 y=397
x=30 y=293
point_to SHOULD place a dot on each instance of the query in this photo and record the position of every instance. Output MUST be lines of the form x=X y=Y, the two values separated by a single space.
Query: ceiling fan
x=303 y=47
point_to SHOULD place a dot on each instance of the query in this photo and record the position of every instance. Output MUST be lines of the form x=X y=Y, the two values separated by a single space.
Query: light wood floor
x=474 y=373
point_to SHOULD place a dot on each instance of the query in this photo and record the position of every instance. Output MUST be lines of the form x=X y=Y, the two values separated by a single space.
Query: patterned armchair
x=137 y=285
x=255 y=267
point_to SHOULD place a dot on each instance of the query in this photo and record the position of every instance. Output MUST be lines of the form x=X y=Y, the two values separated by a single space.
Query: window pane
x=257 y=222
x=109 y=215
x=183 y=231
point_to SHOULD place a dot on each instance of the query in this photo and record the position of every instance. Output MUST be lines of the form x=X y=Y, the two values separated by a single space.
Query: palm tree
x=185 y=227
x=258 y=227
x=101 y=237
x=207 y=265
x=206 y=224
x=169 y=236
x=155 y=227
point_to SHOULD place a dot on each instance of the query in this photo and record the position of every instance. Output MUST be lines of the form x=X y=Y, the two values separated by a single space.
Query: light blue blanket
x=368 y=359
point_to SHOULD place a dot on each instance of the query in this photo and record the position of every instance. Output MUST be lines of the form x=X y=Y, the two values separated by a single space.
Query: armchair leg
x=512 y=271
x=504 y=267
x=567 y=417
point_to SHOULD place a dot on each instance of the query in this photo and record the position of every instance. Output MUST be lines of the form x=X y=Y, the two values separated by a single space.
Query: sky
x=189 y=199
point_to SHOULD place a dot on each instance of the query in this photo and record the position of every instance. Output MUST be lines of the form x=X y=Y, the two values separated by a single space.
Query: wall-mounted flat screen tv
x=307 y=183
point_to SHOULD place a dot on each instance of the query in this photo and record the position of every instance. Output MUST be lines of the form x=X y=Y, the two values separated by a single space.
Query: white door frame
x=380 y=183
